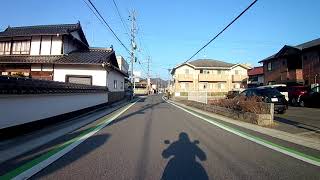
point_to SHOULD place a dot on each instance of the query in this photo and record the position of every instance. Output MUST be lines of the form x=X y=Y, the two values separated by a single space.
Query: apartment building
x=209 y=75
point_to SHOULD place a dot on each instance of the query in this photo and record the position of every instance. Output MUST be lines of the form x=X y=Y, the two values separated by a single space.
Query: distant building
x=123 y=65
x=255 y=77
x=294 y=65
x=209 y=75
x=58 y=53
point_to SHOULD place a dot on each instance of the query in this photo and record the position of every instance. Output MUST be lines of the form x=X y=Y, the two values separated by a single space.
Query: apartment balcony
x=213 y=77
x=184 y=77
x=239 y=78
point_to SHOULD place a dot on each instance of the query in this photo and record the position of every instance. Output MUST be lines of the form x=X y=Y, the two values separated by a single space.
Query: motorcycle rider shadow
x=183 y=164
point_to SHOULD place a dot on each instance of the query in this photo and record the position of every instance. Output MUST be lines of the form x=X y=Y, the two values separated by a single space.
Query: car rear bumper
x=278 y=107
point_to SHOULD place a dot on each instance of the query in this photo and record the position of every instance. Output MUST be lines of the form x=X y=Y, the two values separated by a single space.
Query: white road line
x=37 y=168
x=279 y=149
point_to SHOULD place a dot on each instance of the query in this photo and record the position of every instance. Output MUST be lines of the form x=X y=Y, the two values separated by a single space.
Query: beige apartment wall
x=194 y=85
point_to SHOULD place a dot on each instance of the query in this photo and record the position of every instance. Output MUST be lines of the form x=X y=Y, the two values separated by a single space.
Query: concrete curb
x=42 y=137
x=303 y=141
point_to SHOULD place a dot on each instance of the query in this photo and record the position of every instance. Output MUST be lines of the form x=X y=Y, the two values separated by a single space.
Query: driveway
x=300 y=120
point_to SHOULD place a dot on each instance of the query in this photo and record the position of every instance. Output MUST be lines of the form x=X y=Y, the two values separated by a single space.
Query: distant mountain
x=161 y=83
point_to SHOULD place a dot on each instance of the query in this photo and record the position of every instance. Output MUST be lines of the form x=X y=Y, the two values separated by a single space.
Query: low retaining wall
x=115 y=96
x=21 y=109
x=259 y=119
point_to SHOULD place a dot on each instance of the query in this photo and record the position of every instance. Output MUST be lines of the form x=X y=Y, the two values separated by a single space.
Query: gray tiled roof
x=92 y=56
x=300 y=47
x=210 y=63
x=315 y=42
x=40 y=30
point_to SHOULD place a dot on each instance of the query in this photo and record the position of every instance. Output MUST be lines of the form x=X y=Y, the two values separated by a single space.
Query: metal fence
x=198 y=96
x=14 y=85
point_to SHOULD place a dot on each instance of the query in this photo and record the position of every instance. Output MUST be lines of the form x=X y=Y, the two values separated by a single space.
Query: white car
x=280 y=87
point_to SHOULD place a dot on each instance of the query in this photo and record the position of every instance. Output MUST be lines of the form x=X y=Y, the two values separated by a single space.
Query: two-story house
x=293 y=65
x=209 y=75
x=58 y=53
x=255 y=77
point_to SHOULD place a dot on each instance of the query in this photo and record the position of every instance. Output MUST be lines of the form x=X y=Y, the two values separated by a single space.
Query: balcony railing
x=238 y=78
x=213 y=77
x=184 y=77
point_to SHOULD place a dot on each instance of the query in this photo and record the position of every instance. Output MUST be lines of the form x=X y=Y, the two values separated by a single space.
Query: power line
x=107 y=25
x=125 y=26
x=222 y=30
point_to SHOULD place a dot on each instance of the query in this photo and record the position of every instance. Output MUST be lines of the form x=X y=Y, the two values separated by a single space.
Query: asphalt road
x=154 y=140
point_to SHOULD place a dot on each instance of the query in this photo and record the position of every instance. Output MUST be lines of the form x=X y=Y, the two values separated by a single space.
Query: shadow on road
x=140 y=111
x=89 y=145
x=183 y=164
x=298 y=124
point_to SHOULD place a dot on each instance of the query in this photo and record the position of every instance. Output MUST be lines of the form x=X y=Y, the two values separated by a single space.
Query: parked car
x=269 y=95
x=282 y=88
x=294 y=93
x=311 y=98
x=232 y=94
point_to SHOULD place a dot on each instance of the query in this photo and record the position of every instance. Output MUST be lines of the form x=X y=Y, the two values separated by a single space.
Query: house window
x=121 y=86
x=79 y=79
x=21 y=47
x=5 y=48
x=115 y=84
x=269 y=66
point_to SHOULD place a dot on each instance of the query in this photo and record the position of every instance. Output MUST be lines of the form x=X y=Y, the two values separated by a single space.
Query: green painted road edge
x=285 y=150
x=14 y=174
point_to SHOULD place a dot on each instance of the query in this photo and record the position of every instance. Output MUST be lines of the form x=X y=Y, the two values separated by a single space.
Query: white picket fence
x=198 y=96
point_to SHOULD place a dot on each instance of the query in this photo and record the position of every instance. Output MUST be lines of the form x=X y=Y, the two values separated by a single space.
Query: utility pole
x=133 y=44
x=148 y=75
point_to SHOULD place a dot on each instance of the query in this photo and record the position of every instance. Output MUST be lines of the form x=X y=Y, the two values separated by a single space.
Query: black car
x=232 y=94
x=269 y=95
x=311 y=98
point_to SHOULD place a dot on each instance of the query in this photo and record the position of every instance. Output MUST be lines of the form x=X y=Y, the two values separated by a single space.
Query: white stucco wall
x=114 y=75
x=35 y=45
x=98 y=73
x=182 y=70
x=241 y=70
x=20 y=109
x=56 y=45
x=45 y=45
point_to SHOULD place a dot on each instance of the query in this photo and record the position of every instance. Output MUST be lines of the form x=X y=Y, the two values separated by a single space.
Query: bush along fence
x=251 y=110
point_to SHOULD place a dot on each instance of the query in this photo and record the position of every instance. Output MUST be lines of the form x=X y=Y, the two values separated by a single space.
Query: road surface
x=156 y=140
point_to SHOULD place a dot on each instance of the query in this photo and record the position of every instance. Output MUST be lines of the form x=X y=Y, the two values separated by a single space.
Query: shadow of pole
x=183 y=164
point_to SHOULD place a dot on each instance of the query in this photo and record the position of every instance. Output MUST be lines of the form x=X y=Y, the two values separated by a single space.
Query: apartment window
x=236 y=72
x=115 y=84
x=187 y=86
x=21 y=47
x=219 y=71
x=269 y=66
x=186 y=71
x=5 y=48
x=201 y=71
x=220 y=85
x=206 y=71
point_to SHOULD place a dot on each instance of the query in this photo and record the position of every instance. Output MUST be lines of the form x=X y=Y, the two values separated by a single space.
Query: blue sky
x=171 y=31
